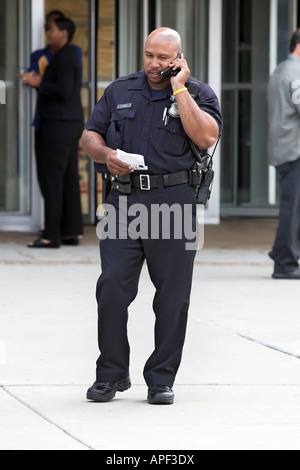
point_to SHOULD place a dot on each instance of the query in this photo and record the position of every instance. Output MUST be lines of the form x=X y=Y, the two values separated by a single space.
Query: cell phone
x=169 y=72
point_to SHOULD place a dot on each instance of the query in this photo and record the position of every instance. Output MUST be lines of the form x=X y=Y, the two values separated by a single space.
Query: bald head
x=165 y=35
x=161 y=48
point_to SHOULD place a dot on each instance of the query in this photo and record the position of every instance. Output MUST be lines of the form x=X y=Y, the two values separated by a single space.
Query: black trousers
x=56 y=146
x=170 y=265
x=286 y=250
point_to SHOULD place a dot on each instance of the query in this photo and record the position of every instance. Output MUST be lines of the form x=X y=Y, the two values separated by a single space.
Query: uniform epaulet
x=133 y=76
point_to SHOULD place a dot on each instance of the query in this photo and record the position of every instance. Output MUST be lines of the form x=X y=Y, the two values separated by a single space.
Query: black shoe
x=271 y=255
x=160 y=395
x=75 y=241
x=105 y=391
x=293 y=274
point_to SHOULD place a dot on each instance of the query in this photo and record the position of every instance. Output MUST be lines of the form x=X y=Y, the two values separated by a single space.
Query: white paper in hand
x=137 y=162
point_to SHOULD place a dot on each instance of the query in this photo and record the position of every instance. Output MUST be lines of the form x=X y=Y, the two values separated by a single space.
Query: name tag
x=124 y=106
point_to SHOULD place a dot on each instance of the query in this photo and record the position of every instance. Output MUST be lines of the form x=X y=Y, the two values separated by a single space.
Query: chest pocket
x=126 y=122
x=172 y=138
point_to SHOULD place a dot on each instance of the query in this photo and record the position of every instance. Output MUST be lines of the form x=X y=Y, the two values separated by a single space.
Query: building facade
x=233 y=45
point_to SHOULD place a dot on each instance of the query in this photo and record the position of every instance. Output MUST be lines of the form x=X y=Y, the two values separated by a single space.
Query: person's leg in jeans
x=286 y=250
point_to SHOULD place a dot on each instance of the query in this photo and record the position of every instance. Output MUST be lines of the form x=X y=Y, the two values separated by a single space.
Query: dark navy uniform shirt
x=139 y=115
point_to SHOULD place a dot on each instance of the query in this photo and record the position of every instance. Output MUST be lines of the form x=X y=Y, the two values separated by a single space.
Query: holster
x=106 y=186
x=195 y=176
x=113 y=140
x=205 y=188
x=123 y=182
x=201 y=178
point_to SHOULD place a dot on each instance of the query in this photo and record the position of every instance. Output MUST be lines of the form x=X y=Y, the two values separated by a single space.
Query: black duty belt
x=148 y=182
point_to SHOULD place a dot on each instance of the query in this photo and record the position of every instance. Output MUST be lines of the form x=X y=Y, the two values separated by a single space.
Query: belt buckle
x=145 y=182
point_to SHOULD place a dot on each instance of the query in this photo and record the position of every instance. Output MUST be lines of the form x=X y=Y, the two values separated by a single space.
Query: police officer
x=145 y=109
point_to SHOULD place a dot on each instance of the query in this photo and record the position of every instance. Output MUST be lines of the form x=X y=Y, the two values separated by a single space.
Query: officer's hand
x=116 y=166
x=180 y=79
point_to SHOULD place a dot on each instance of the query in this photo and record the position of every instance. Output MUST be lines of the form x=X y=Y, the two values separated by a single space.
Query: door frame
x=31 y=20
x=272 y=208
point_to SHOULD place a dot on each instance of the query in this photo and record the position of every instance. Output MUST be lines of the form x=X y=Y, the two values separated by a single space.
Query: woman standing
x=62 y=123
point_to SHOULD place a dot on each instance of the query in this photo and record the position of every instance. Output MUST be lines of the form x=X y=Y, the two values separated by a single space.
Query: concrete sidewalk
x=239 y=383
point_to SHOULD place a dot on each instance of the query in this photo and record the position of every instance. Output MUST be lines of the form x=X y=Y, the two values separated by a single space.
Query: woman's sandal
x=39 y=243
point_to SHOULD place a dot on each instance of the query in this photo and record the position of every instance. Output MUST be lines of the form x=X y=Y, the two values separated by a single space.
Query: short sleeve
x=208 y=102
x=100 y=118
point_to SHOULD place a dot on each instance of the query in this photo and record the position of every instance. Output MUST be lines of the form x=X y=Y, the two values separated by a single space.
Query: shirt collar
x=294 y=58
x=141 y=83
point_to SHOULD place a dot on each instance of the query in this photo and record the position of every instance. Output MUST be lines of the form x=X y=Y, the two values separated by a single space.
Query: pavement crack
x=45 y=418
x=248 y=338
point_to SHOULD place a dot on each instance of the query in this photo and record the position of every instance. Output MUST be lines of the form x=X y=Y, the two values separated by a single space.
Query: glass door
x=190 y=19
x=14 y=112
x=245 y=74
x=105 y=58
x=95 y=22
x=81 y=12
x=255 y=39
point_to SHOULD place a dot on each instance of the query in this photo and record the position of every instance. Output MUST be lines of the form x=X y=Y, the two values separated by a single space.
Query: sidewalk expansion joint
x=248 y=338
x=45 y=418
x=35 y=262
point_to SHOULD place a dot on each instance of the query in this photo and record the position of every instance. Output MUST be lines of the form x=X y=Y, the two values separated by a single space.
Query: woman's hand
x=31 y=79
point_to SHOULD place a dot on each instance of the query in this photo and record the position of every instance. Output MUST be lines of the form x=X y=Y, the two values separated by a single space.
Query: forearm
x=55 y=90
x=201 y=128
x=95 y=146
